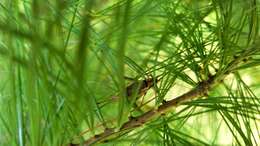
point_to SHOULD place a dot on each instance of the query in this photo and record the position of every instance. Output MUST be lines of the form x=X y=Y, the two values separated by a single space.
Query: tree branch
x=198 y=91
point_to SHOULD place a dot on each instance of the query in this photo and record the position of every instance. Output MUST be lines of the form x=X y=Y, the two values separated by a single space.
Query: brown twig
x=198 y=91
x=201 y=89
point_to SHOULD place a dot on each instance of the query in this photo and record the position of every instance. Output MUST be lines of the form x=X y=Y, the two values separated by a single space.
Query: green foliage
x=64 y=68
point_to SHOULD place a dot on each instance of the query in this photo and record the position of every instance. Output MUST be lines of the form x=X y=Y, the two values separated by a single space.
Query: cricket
x=135 y=90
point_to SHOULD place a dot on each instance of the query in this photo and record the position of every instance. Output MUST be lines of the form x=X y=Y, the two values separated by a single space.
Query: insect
x=137 y=89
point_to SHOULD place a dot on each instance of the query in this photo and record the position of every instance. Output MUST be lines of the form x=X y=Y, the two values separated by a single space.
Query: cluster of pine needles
x=129 y=72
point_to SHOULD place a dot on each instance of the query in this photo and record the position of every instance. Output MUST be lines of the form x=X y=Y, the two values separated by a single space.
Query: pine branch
x=202 y=89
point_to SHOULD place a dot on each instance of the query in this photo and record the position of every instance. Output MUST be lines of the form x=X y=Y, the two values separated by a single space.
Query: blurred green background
x=64 y=66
